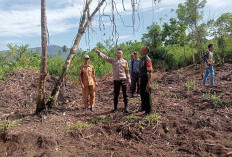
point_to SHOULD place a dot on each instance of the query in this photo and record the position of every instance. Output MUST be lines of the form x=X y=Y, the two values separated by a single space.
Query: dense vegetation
x=173 y=45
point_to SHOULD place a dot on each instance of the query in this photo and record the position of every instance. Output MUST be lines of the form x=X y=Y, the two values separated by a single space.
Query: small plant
x=191 y=85
x=99 y=119
x=79 y=126
x=216 y=99
x=151 y=119
x=132 y=117
x=155 y=84
x=132 y=101
x=4 y=126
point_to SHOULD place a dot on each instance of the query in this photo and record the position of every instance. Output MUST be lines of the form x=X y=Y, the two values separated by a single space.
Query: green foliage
x=132 y=117
x=6 y=124
x=215 y=99
x=152 y=119
x=99 y=119
x=135 y=100
x=155 y=84
x=79 y=126
x=191 y=85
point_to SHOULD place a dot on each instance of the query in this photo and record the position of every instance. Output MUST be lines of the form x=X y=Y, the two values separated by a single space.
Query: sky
x=20 y=20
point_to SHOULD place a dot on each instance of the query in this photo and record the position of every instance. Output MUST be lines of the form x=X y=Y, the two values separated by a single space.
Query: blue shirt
x=136 y=66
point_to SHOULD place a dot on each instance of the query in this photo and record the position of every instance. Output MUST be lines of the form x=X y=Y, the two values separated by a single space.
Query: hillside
x=51 y=50
x=188 y=119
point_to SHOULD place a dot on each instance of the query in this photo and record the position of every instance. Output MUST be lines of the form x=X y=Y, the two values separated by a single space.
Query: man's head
x=136 y=55
x=119 y=53
x=145 y=50
x=211 y=47
x=132 y=56
x=86 y=59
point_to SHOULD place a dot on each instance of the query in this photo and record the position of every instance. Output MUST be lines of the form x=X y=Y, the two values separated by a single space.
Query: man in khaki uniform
x=121 y=77
x=88 y=82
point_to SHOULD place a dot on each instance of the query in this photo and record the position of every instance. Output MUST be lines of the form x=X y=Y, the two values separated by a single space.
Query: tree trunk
x=40 y=105
x=184 y=55
x=201 y=49
x=193 y=56
x=82 y=27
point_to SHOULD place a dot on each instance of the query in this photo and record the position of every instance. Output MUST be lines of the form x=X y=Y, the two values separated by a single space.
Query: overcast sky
x=20 y=20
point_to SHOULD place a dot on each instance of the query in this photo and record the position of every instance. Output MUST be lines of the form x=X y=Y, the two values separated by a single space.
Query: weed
x=155 y=85
x=191 y=85
x=216 y=99
x=133 y=101
x=132 y=117
x=151 y=119
x=79 y=126
x=99 y=119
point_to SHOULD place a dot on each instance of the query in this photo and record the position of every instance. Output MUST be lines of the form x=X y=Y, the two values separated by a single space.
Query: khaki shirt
x=120 y=68
x=86 y=72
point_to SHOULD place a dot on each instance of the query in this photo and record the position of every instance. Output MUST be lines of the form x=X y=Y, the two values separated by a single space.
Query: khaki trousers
x=86 y=92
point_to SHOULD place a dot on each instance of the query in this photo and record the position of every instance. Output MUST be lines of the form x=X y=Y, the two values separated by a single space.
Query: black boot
x=115 y=108
x=126 y=110
x=92 y=109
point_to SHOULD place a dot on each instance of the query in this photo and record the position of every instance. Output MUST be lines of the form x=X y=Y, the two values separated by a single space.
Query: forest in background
x=174 y=45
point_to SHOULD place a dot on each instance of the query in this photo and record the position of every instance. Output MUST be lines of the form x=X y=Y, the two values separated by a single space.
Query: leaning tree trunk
x=84 y=24
x=40 y=106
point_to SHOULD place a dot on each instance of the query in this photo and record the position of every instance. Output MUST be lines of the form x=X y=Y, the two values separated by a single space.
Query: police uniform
x=145 y=69
x=121 y=77
x=86 y=72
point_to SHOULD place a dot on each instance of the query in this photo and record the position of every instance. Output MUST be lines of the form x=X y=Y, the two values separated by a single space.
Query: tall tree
x=191 y=12
x=40 y=106
x=65 y=48
x=222 y=29
x=83 y=25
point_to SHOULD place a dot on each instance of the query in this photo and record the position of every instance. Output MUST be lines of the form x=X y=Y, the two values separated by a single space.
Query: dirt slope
x=190 y=123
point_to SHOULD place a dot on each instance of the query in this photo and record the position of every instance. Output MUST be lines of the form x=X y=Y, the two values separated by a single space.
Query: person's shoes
x=126 y=109
x=114 y=110
x=138 y=95
x=86 y=108
x=146 y=113
x=92 y=109
x=141 y=110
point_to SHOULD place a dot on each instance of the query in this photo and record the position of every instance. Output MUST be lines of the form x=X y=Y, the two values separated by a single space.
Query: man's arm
x=80 y=78
x=127 y=74
x=94 y=77
x=149 y=69
x=108 y=59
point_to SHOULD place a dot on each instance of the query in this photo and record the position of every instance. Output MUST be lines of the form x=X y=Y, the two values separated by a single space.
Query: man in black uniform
x=145 y=80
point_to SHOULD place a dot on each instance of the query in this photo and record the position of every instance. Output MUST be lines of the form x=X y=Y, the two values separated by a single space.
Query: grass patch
x=152 y=119
x=132 y=117
x=155 y=85
x=191 y=85
x=6 y=124
x=215 y=99
x=79 y=126
x=132 y=101
x=99 y=120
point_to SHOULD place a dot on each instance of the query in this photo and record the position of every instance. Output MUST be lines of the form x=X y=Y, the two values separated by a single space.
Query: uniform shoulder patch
x=149 y=65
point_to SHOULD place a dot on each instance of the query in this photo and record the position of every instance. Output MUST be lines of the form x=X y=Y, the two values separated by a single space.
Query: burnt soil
x=190 y=123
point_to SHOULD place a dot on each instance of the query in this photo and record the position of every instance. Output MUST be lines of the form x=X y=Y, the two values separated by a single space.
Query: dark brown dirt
x=190 y=124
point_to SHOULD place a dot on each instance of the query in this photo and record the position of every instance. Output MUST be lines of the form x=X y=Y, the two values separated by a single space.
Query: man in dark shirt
x=145 y=80
x=135 y=67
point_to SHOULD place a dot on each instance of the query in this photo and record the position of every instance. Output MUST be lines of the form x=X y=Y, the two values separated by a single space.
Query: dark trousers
x=135 y=83
x=145 y=95
x=117 y=86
